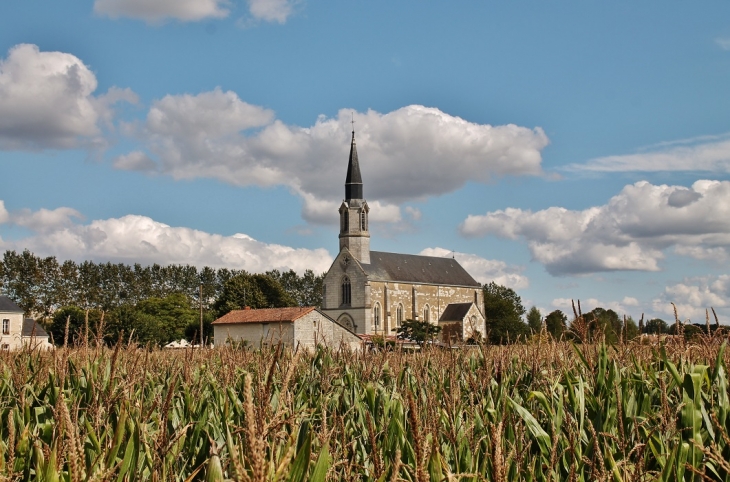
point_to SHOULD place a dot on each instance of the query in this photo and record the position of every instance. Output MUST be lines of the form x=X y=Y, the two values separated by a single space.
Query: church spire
x=353 y=182
x=354 y=233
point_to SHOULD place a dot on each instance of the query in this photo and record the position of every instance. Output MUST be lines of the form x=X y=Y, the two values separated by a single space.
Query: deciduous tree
x=503 y=310
x=534 y=319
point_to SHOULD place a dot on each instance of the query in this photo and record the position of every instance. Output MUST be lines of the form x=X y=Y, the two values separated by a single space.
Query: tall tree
x=81 y=324
x=555 y=323
x=503 y=310
x=256 y=291
x=23 y=280
x=656 y=326
x=534 y=319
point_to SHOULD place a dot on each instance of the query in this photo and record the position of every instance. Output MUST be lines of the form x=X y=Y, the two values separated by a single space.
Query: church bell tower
x=354 y=212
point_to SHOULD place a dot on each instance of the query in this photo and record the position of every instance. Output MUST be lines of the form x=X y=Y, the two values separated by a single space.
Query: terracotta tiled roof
x=264 y=315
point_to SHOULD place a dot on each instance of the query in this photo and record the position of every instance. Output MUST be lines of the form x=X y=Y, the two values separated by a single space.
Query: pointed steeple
x=353 y=182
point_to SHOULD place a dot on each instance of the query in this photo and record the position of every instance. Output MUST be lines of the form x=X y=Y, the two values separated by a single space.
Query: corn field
x=544 y=411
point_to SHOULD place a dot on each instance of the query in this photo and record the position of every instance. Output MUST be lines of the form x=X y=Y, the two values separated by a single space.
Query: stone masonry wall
x=390 y=295
x=359 y=308
x=315 y=328
x=12 y=340
x=253 y=333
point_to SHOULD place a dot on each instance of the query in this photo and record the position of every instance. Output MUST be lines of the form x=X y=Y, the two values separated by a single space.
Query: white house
x=18 y=331
x=305 y=327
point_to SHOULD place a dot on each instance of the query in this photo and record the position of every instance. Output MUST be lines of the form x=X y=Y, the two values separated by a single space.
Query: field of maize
x=543 y=411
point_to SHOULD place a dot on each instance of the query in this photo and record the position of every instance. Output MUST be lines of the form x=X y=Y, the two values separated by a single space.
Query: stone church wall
x=359 y=309
x=414 y=298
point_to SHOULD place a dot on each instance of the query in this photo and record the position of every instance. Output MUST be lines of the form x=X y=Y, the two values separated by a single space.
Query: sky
x=569 y=150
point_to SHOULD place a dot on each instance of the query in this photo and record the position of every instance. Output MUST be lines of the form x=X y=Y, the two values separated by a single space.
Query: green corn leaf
x=668 y=471
x=324 y=461
x=719 y=361
x=538 y=433
x=435 y=470
x=214 y=471
x=301 y=460
x=671 y=367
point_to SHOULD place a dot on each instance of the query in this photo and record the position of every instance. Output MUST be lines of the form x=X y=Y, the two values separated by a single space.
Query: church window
x=346 y=291
x=6 y=327
x=399 y=315
x=346 y=321
x=363 y=220
x=376 y=315
x=426 y=314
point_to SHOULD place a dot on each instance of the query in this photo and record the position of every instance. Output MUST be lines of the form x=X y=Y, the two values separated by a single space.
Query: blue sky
x=572 y=151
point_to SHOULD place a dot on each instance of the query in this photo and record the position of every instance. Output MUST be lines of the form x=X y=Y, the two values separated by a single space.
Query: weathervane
x=353 y=122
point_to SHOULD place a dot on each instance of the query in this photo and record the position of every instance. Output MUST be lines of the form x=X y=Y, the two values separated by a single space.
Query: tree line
x=508 y=321
x=149 y=304
x=158 y=304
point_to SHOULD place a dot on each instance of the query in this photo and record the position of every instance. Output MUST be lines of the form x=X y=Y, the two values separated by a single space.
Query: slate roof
x=417 y=269
x=264 y=315
x=353 y=181
x=31 y=328
x=455 y=311
x=6 y=304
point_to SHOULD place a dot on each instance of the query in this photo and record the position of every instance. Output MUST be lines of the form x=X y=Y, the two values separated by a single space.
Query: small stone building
x=304 y=327
x=17 y=330
x=373 y=292
x=460 y=322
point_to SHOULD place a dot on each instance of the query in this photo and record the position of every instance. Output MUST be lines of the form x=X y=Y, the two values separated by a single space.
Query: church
x=373 y=292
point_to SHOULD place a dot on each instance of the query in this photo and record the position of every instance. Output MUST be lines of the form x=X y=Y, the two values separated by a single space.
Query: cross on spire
x=353 y=124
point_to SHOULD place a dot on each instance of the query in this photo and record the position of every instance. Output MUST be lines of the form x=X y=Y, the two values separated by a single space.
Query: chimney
x=247 y=308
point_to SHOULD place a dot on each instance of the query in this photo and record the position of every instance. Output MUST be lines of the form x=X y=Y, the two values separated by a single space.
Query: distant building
x=18 y=331
x=304 y=327
x=372 y=292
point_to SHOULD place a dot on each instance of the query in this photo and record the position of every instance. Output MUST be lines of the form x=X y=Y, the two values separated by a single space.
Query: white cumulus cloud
x=695 y=295
x=271 y=10
x=4 y=214
x=160 y=10
x=410 y=153
x=485 y=270
x=47 y=101
x=45 y=220
x=630 y=232
x=628 y=306
x=139 y=239
x=134 y=161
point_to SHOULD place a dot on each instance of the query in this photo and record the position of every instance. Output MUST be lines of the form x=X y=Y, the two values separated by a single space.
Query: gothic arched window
x=426 y=313
x=346 y=291
x=363 y=220
x=346 y=321
x=376 y=315
x=399 y=314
